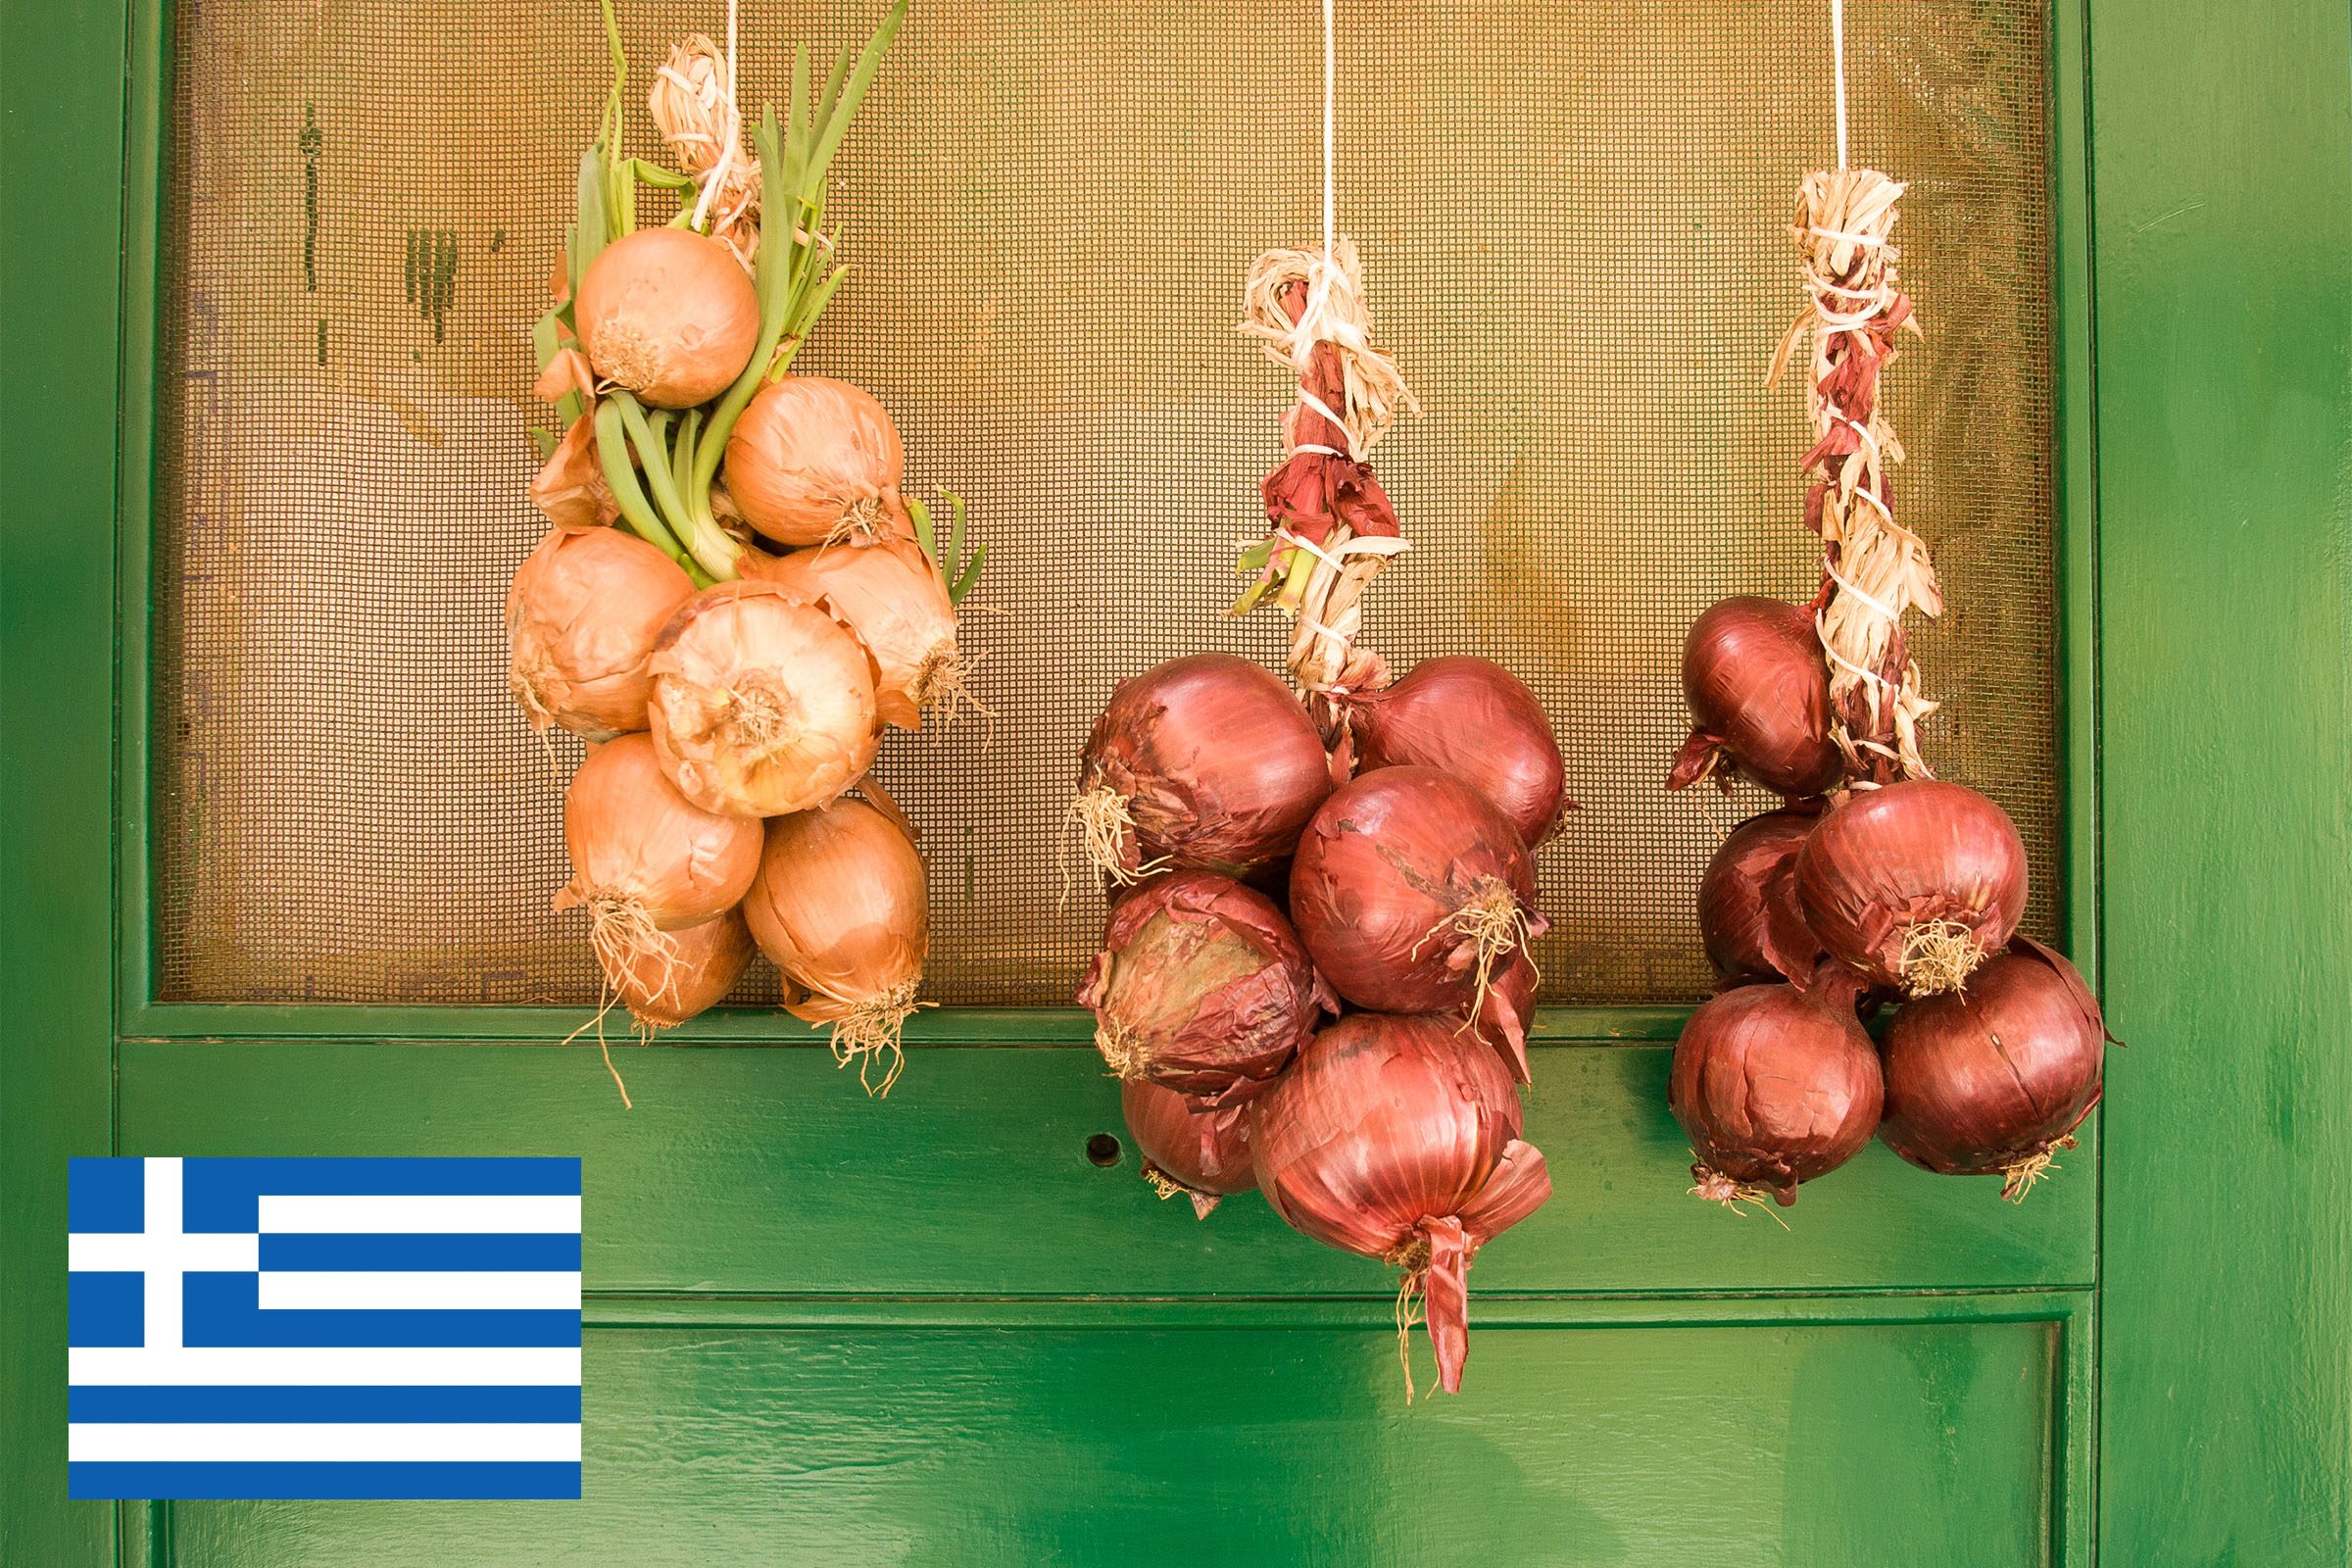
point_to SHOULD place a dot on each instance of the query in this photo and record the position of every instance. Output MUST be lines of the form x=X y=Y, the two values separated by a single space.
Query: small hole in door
x=1104 y=1149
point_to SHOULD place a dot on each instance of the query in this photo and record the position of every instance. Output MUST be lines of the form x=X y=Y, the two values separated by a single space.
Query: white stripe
x=261 y=1443
x=421 y=1288
x=433 y=1214
x=406 y=1366
x=134 y=1252
x=161 y=1288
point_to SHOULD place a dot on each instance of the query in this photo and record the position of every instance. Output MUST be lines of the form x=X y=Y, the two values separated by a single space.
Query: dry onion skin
x=1398 y=1138
x=1759 y=696
x=669 y=315
x=888 y=593
x=1774 y=1086
x=1913 y=885
x=662 y=990
x=1203 y=1154
x=1476 y=720
x=1994 y=1079
x=1748 y=918
x=1206 y=763
x=582 y=616
x=840 y=906
x=763 y=704
x=814 y=460
x=645 y=860
x=1201 y=987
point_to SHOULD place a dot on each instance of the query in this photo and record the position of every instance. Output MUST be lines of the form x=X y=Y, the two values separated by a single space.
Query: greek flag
x=324 y=1327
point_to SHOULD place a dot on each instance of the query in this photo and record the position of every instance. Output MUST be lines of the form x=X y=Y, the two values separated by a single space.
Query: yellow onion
x=841 y=907
x=895 y=600
x=645 y=860
x=815 y=460
x=662 y=990
x=581 y=617
x=669 y=315
x=763 y=704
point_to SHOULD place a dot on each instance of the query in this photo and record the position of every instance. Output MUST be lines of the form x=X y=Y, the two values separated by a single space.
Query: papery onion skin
x=633 y=837
x=1201 y=987
x=1503 y=1017
x=1916 y=859
x=663 y=987
x=1772 y=1088
x=1206 y=1153
x=1759 y=693
x=1387 y=861
x=669 y=315
x=1215 y=765
x=1474 y=720
x=813 y=458
x=763 y=704
x=890 y=595
x=1748 y=916
x=1398 y=1138
x=1988 y=1079
x=582 y=616
x=841 y=906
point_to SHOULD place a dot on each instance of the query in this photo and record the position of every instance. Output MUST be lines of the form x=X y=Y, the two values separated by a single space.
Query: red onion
x=1913 y=884
x=1502 y=1019
x=1409 y=889
x=1398 y=1138
x=1773 y=1087
x=1759 y=695
x=1748 y=910
x=1476 y=720
x=1994 y=1078
x=1203 y=1154
x=1200 y=987
x=1205 y=762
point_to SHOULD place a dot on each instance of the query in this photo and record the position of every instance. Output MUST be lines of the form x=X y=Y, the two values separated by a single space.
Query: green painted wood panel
x=2222 y=192
x=768 y=1171
x=967 y=1446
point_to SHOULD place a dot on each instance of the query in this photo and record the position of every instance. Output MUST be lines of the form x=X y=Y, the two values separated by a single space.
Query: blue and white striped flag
x=324 y=1327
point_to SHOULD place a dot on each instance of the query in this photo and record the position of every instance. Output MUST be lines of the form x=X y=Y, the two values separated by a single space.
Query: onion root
x=1939 y=955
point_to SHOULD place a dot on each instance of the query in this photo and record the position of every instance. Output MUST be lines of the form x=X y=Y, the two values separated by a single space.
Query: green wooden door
x=934 y=1330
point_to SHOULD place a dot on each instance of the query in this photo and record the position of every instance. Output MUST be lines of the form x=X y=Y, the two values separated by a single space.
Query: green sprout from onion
x=957 y=570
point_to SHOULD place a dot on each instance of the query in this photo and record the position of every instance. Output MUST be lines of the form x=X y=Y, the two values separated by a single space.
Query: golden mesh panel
x=1570 y=218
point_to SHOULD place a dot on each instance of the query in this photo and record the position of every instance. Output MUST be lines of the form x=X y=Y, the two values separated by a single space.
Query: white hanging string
x=1837 y=54
x=726 y=154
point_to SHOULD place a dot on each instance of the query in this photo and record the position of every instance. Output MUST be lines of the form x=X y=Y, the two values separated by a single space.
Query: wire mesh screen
x=1572 y=224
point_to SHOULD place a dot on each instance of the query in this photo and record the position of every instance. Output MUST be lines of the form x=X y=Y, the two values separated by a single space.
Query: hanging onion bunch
x=1200 y=987
x=1398 y=1138
x=1203 y=1154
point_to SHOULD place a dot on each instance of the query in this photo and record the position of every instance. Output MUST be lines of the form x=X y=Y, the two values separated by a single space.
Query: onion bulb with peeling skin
x=1503 y=1016
x=1773 y=1086
x=645 y=860
x=1914 y=884
x=1476 y=720
x=669 y=315
x=1206 y=763
x=664 y=989
x=762 y=703
x=582 y=615
x=1202 y=1154
x=895 y=600
x=1412 y=889
x=1748 y=910
x=1994 y=1078
x=841 y=906
x=815 y=460
x=1398 y=1138
x=1758 y=688
x=1200 y=987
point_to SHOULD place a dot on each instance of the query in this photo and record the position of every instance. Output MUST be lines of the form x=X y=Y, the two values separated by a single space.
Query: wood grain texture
x=2223 y=193
x=768 y=1171
x=1143 y=1443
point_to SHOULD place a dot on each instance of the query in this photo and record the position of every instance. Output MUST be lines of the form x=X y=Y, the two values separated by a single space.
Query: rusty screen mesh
x=1571 y=218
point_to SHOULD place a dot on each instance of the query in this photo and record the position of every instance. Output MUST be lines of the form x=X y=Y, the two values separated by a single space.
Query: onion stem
x=621 y=475
x=700 y=534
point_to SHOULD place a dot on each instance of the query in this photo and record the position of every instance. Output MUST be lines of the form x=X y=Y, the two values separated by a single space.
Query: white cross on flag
x=324 y=1327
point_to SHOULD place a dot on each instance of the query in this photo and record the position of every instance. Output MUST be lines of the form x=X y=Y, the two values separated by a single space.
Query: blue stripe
x=187 y=1478
x=225 y=1309
x=224 y=1195
x=284 y=1252
x=106 y=1192
x=320 y=1403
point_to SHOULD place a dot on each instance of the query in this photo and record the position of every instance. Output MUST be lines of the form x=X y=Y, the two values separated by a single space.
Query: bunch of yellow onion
x=734 y=699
